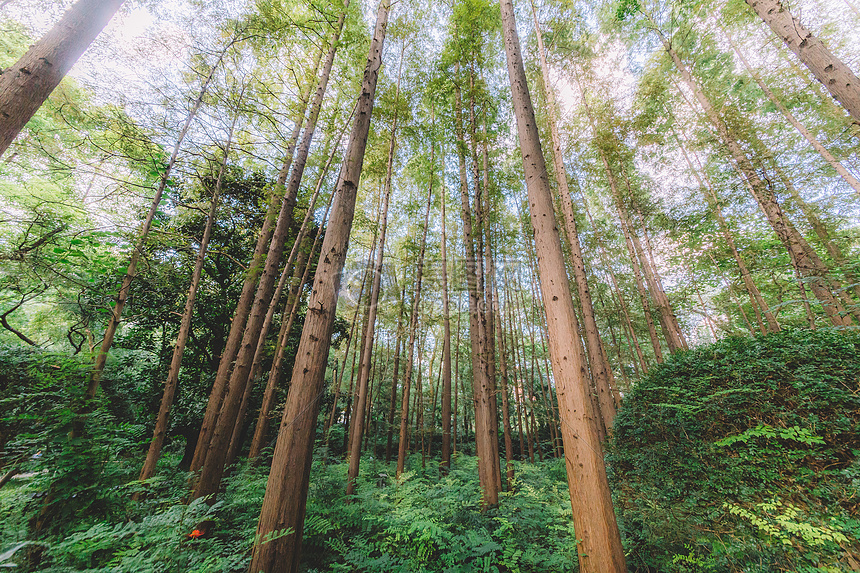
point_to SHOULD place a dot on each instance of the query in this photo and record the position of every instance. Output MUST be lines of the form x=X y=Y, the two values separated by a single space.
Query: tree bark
x=394 y=378
x=808 y=265
x=486 y=444
x=839 y=80
x=213 y=466
x=354 y=454
x=413 y=328
x=154 y=452
x=600 y=547
x=445 y=463
x=285 y=500
x=25 y=85
x=246 y=298
x=601 y=370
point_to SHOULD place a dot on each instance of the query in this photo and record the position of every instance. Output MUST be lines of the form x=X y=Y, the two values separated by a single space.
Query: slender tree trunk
x=393 y=402
x=519 y=382
x=287 y=488
x=246 y=298
x=839 y=80
x=25 y=85
x=291 y=310
x=804 y=259
x=354 y=454
x=757 y=302
x=503 y=365
x=339 y=382
x=213 y=466
x=667 y=313
x=413 y=328
x=601 y=370
x=131 y=271
x=455 y=384
x=154 y=452
x=827 y=242
x=484 y=439
x=599 y=542
x=605 y=260
x=807 y=135
x=445 y=463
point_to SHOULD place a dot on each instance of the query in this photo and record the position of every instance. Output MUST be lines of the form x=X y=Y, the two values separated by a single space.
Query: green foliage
x=428 y=522
x=742 y=453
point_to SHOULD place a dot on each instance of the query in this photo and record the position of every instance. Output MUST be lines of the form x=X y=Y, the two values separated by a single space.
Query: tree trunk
x=757 y=302
x=413 y=328
x=213 y=466
x=131 y=271
x=605 y=260
x=599 y=544
x=445 y=463
x=154 y=452
x=839 y=80
x=804 y=259
x=354 y=454
x=601 y=370
x=484 y=439
x=246 y=298
x=291 y=310
x=393 y=402
x=285 y=500
x=26 y=84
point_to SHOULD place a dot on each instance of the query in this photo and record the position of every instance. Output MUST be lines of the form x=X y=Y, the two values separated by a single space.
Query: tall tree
x=601 y=370
x=131 y=270
x=213 y=465
x=600 y=547
x=355 y=431
x=172 y=382
x=26 y=84
x=832 y=72
x=279 y=530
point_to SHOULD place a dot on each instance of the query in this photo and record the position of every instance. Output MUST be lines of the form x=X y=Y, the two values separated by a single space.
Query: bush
x=741 y=456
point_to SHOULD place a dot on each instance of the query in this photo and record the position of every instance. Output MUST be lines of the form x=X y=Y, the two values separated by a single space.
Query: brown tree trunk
x=599 y=542
x=285 y=500
x=246 y=298
x=668 y=319
x=827 y=242
x=486 y=444
x=445 y=462
x=520 y=367
x=394 y=378
x=291 y=310
x=349 y=340
x=154 y=452
x=26 y=84
x=839 y=80
x=131 y=271
x=354 y=454
x=503 y=366
x=413 y=328
x=808 y=265
x=601 y=371
x=605 y=260
x=213 y=466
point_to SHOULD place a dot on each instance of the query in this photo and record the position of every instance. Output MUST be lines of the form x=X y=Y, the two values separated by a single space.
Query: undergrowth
x=742 y=456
